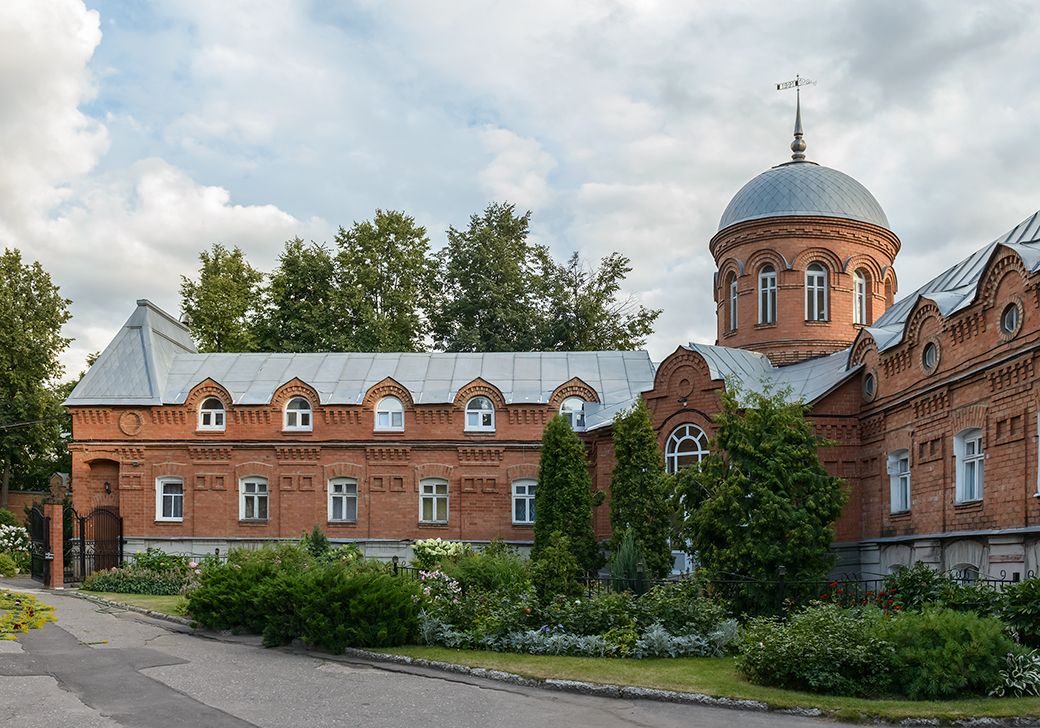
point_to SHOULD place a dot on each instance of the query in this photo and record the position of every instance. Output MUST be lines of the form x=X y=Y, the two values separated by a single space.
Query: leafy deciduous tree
x=222 y=305
x=300 y=308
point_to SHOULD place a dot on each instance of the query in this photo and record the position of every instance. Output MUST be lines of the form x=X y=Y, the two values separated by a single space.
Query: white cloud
x=519 y=170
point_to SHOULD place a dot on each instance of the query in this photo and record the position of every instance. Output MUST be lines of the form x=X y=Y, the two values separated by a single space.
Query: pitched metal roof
x=803 y=188
x=152 y=361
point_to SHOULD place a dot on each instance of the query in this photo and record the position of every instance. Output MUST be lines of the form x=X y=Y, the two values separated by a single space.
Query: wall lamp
x=108 y=488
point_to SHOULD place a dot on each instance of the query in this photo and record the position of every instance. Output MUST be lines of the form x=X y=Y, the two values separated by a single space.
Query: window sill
x=210 y=431
x=525 y=524
x=899 y=515
x=766 y=326
x=971 y=505
x=388 y=430
x=168 y=521
x=433 y=524
x=817 y=322
x=298 y=431
x=253 y=521
x=342 y=523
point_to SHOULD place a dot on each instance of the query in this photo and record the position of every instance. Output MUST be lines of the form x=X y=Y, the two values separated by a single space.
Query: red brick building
x=930 y=399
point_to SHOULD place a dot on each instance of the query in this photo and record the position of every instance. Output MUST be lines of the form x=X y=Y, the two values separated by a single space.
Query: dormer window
x=390 y=415
x=573 y=409
x=480 y=415
x=211 y=415
x=298 y=415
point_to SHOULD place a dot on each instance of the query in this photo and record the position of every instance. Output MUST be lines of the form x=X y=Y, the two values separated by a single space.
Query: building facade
x=930 y=401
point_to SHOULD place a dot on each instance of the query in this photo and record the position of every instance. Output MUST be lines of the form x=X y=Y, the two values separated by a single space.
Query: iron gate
x=40 y=544
x=92 y=543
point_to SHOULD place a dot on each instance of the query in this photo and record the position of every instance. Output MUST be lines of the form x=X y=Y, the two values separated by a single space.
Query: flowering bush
x=14 y=539
x=428 y=553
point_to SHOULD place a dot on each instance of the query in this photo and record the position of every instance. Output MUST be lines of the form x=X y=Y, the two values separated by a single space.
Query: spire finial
x=798 y=145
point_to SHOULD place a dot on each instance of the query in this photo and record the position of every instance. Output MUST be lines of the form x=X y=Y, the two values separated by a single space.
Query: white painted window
x=815 y=293
x=433 y=500
x=252 y=499
x=211 y=414
x=298 y=415
x=732 y=302
x=859 y=298
x=480 y=415
x=343 y=499
x=573 y=409
x=970 y=465
x=686 y=446
x=767 y=295
x=523 y=501
x=899 y=480
x=390 y=415
x=169 y=499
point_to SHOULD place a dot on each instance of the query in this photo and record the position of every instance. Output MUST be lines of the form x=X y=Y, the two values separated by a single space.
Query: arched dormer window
x=390 y=415
x=767 y=295
x=731 y=292
x=686 y=446
x=815 y=293
x=859 y=298
x=573 y=409
x=480 y=415
x=298 y=415
x=211 y=415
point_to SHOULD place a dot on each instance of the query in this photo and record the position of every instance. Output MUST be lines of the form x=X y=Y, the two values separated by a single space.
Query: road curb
x=128 y=607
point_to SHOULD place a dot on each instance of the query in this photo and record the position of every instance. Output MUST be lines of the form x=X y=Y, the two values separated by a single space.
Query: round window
x=869 y=385
x=930 y=356
x=1009 y=319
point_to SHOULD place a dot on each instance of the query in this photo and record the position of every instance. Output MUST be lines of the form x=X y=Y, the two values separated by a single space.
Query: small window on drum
x=1009 y=319
x=869 y=385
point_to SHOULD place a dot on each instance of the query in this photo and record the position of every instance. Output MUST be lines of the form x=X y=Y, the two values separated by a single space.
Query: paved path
x=102 y=667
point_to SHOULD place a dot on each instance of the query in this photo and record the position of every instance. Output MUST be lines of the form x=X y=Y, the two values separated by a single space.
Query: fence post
x=781 y=588
x=82 y=547
x=56 y=578
x=395 y=559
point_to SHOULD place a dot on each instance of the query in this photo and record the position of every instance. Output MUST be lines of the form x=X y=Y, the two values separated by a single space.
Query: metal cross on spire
x=798 y=145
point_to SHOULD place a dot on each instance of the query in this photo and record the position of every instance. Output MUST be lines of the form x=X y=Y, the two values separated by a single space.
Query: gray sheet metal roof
x=956 y=287
x=803 y=188
x=152 y=361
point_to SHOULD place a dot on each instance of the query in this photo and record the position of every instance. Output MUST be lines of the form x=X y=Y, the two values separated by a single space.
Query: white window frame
x=899 y=481
x=675 y=448
x=767 y=295
x=434 y=491
x=815 y=292
x=859 y=297
x=212 y=418
x=260 y=492
x=573 y=410
x=970 y=453
x=161 y=496
x=480 y=419
x=733 y=322
x=389 y=415
x=344 y=490
x=300 y=419
x=524 y=490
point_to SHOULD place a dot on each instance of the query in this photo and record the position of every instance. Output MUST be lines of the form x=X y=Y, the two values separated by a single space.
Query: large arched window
x=211 y=415
x=573 y=409
x=767 y=295
x=480 y=415
x=686 y=446
x=298 y=415
x=731 y=292
x=390 y=415
x=815 y=293
x=859 y=298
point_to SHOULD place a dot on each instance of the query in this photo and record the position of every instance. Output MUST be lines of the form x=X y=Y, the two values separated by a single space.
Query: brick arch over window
x=827 y=258
x=682 y=417
x=923 y=311
x=204 y=390
x=388 y=387
x=343 y=470
x=479 y=388
x=183 y=471
x=968 y=418
x=999 y=267
x=295 y=387
x=731 y=266
x=762 y=258
x=255 y=469
x=432 y=470
x=573 y=387
x=524 y=471
x=875 y=272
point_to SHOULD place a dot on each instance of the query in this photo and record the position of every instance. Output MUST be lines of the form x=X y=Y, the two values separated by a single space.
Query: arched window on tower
x=767 y=295
x=815 y=293
x=859 y=298
x=731 y=288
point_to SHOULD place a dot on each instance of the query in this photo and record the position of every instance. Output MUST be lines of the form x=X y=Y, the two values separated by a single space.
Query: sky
x=135 y=135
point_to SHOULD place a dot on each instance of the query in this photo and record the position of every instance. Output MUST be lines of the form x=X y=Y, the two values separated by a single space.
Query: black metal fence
x=92 y=543
x=39 y=544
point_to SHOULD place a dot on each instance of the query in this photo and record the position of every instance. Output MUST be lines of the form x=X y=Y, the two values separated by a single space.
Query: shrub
x=14 y=538
x=157 y=560
x=681 y=608
x=940 y=653
x=555 y=571
x=7 y=565
x=596 y=614
x=978 y=597
x=428 y=553
x=8 y=518
x=1021 y=610
x=627 y=567
x=134 y=580
x=497 y=568
x=823 y=648
x=1021 y=676
x=658 y=642
x=917 y=586
x=556 y=641
x=316 y=543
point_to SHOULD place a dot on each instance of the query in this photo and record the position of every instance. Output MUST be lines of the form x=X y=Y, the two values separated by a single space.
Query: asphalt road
x=101 y=667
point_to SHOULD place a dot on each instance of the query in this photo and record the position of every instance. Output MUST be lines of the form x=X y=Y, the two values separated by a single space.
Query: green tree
x=762 y=499
x=223 y=304
x=639 y=490
x=384 y=276
x=300 y=307
x=587 y=311
x=563 y=500
x=32 y=313
x=491 y=285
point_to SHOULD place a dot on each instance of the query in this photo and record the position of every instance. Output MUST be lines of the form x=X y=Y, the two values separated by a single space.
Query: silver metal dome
x=803 y=188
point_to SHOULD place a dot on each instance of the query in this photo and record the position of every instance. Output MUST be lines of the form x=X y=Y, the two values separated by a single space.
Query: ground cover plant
x=20 y=613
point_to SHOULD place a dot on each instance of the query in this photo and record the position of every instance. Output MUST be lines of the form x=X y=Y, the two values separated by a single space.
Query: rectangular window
x=169 y=499
x=390 y=420
x=523 y=501
x=253 y=504
x=971 y=467
x=343 y=497
x=433 y=501
x=899 y=479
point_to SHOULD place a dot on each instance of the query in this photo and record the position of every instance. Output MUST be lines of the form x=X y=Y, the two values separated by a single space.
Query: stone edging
x=128 y=607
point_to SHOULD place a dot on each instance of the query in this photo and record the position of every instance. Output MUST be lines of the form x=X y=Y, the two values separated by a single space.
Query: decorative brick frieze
x=209 y=454
x=295 y=454
x=1020 y=372
x=479 y=455
x=341 y=416
x=931 y=405
x=388 y=454
x=527 y=416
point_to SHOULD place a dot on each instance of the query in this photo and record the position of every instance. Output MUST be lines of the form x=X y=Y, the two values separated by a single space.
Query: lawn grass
x=173 y=605
x=718 y=676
